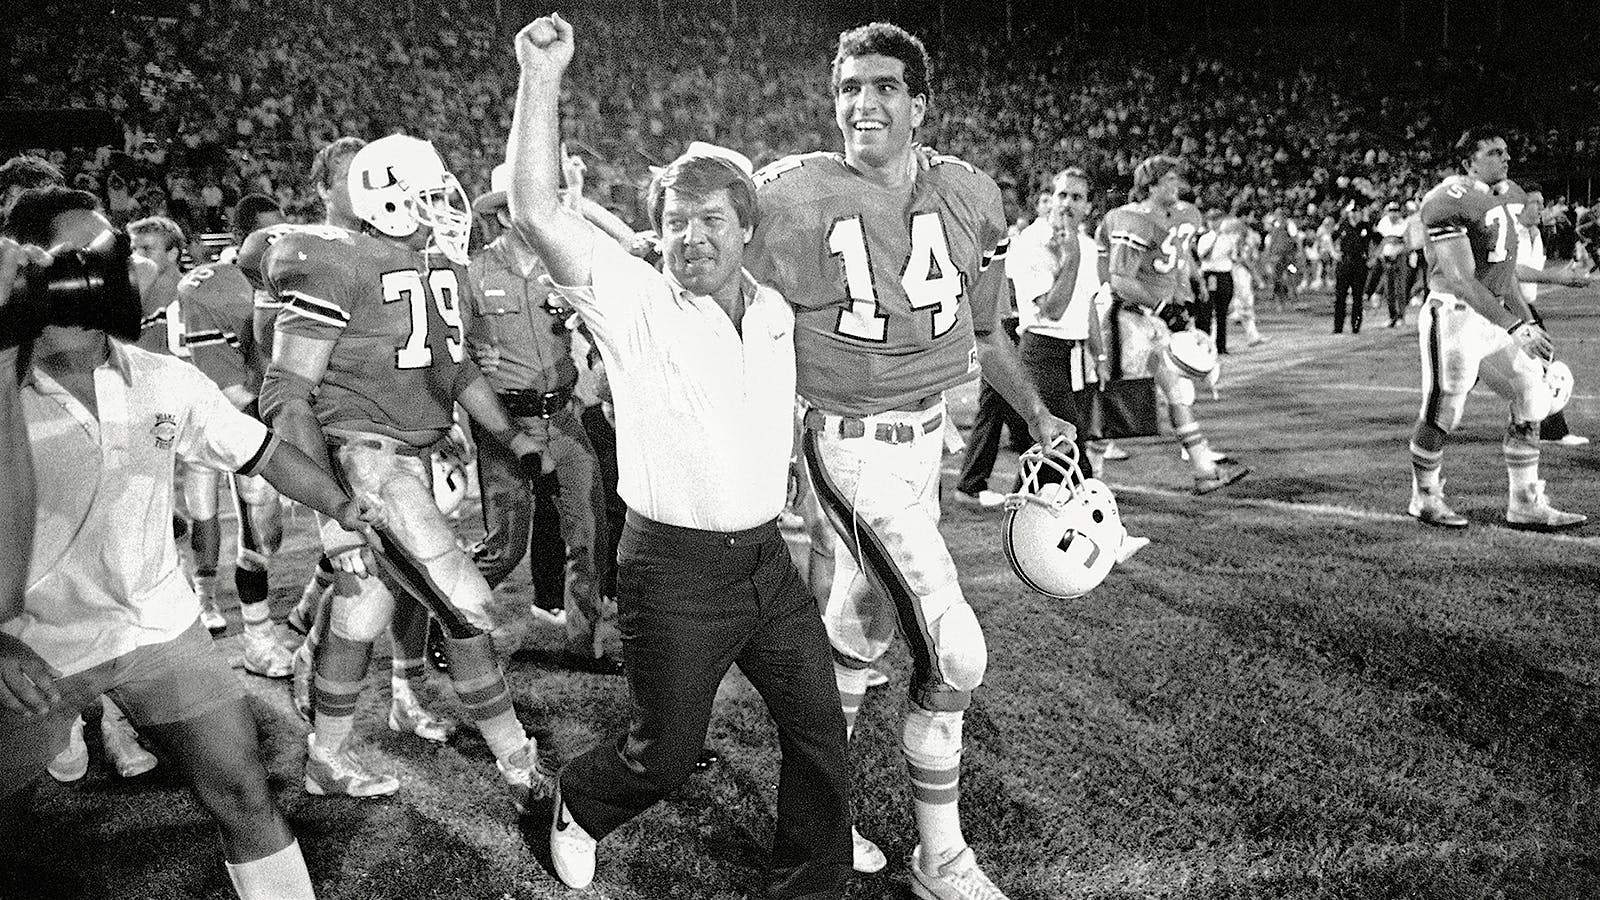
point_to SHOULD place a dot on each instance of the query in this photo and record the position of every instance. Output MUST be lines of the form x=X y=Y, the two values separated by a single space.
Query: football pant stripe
x=398 y=564
x=879 y=567
x=1434 y=389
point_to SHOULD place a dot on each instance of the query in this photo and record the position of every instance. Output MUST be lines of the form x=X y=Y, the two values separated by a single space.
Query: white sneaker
x=407 y=715
x=1429 y=507
x=990 y=499
x=958 y=879
x=73 y=762
x=1529 y=509
x=1114 y=453
x=1570 y=440
x=265 y=656
x=557 y=619
x=866 y=857
x=789 y=520
x=212 y=618
x=525 y=775
x=876 y=677
x=571 y=848
x=123 y=748
x=342 y=773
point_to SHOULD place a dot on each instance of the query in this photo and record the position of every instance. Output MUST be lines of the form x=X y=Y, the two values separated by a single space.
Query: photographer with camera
x=105 y=608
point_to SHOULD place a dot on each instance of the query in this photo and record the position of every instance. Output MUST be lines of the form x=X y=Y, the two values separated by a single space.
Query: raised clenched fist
x=544 y=46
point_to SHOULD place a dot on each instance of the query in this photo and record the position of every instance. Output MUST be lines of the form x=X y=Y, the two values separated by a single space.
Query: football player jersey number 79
x=405 y=286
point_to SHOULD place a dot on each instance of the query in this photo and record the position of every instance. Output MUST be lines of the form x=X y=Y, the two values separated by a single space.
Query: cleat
x=1570 y=440
x=876 y=677
x=1224 y=476
x=571 y=848
x=122 y=746
x=958 y=879
x=212 y=618
x=1129 y=546
x=407 y=715
x=301 y=674
x=557 y=619
x=1530 y=510
x=984 y=499
x=1114 y=453
x=865 y=858
x=343 y=773
x=1429 y=508
x=73 y=762
x=526 y=776
x=265 y=656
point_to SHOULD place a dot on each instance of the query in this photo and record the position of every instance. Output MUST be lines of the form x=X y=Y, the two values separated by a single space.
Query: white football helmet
x=1194 y=352
x=399 y=183
x=1062 y=537
x=1558 y=378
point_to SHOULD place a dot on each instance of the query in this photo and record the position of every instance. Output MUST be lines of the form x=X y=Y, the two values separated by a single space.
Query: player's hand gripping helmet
x=1193 y=352
x=450 y=461
x=1558 y=378
x=1061 y=537
x=399 y=183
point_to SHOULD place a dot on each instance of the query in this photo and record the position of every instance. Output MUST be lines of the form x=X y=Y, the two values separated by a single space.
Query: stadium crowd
x=237 y=100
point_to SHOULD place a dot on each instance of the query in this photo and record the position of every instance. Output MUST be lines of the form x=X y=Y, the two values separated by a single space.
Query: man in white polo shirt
x=107 y=608
x=702 y=369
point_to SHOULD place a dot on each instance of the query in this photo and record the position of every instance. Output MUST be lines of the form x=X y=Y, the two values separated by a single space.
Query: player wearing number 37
x=894 y=262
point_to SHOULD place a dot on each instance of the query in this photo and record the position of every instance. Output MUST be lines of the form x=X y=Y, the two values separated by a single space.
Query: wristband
x=1515 y=325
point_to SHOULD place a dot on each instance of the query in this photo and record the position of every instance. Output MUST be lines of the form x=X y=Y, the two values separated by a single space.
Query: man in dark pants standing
x=1352 y=240
x=983 y=444
x=702 y=370
x=526 y=337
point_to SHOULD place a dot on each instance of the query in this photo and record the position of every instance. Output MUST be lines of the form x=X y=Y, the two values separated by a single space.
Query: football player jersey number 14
x=930 y=280
x=405 y=286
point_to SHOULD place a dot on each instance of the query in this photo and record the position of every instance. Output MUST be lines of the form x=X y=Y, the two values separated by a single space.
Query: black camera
x=86 y=288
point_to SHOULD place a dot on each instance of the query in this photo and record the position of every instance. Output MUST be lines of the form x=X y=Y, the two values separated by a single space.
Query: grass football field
x=1295 y=691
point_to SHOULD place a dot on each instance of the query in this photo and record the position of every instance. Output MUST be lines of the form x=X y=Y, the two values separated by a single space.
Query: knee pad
x=1532 y=404
x=254 y=491
x=1182 y=392
x=363 y=614
x=963 y=655
x=462 y=587
x=932 y=739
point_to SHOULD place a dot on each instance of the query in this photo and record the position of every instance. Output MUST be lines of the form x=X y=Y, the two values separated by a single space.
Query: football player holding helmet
x=1062 y=531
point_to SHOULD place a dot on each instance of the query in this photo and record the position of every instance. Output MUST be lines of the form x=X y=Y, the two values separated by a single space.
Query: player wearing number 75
x=894 y=263
x=367 y=364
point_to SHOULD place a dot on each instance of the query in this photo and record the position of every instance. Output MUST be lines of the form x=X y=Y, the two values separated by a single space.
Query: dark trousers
x=1348 y=280
x=1219 y=285
x=1392 y=283
x=1056 y=367
x=604 y=440
x=983 y=445
x=691 y=604
x=508 y=514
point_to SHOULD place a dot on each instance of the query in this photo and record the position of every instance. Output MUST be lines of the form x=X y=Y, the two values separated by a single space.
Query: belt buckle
x=895 y=432
x=852 y=428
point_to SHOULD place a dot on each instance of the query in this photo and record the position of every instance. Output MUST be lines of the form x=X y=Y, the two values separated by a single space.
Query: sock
x=1521 y=450
x=931 y=743
x=253 y=605
x=336 y=690
x=1199 y=451
x=205 y=584
x=852 y=682
x=1427 y=457
x=481 y=688
x=280 y=876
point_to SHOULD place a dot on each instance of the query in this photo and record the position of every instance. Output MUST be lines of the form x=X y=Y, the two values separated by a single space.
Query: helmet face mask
x=1061 y=536
x=399 y=184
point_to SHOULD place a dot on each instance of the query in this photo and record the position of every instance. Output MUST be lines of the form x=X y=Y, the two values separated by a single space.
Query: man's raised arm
x=561 y=237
